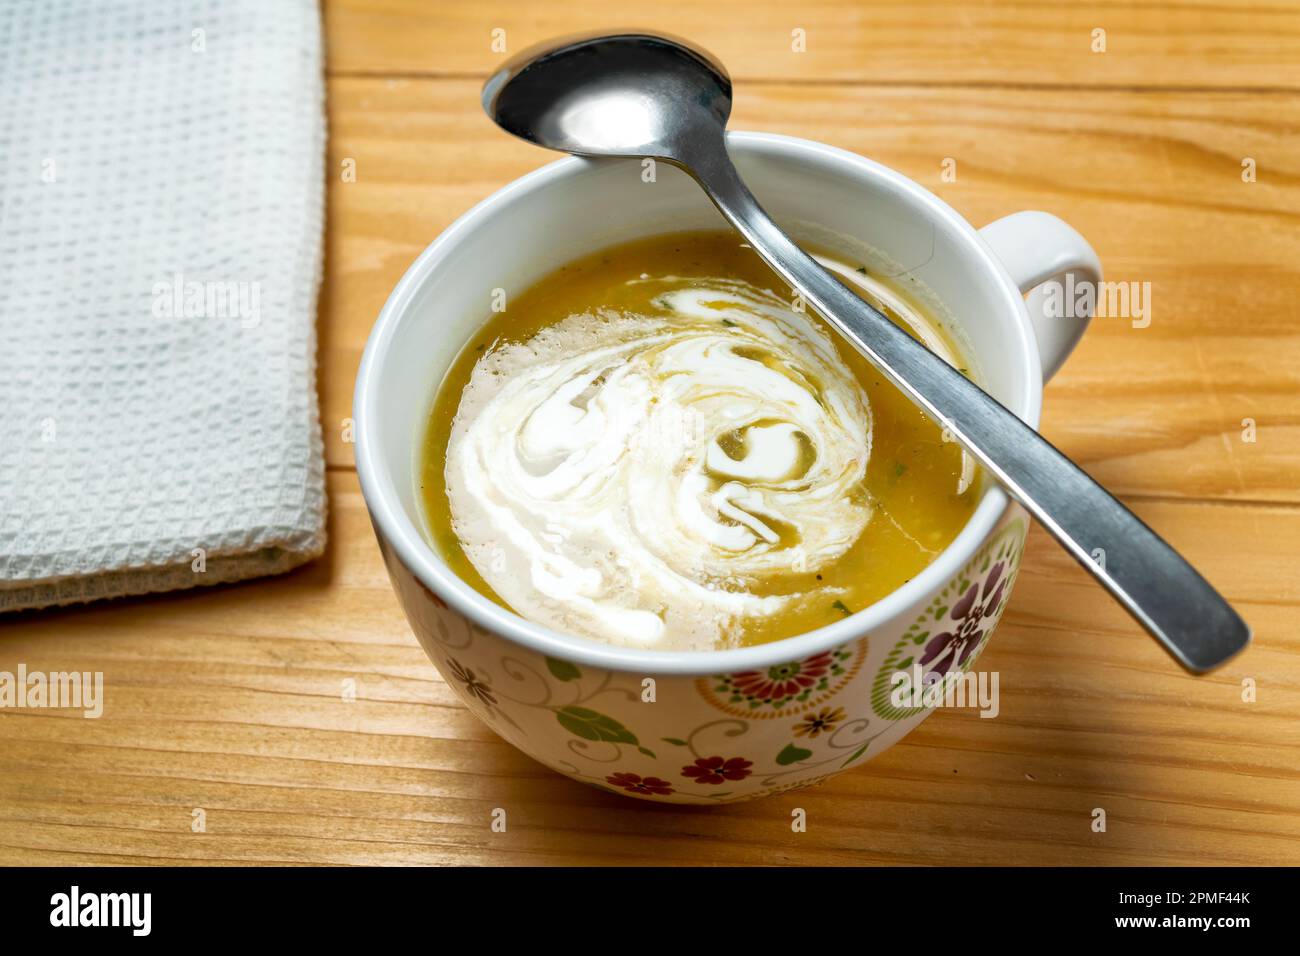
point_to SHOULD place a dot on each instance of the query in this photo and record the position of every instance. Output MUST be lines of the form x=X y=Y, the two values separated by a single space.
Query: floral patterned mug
x=709 y=727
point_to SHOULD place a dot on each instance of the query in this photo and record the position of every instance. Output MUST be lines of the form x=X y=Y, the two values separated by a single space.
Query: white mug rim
x=418 y=556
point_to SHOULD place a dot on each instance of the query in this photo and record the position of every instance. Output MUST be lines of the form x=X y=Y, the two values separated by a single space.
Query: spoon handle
x=1149 y=578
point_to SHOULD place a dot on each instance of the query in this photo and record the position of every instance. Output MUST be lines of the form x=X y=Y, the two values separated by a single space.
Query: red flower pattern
x=716 y=770
x=784 y=681
x=473 y=686
x=635 y=783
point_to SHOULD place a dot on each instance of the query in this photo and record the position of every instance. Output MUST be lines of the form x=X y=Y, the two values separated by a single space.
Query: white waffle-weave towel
x=161 y=180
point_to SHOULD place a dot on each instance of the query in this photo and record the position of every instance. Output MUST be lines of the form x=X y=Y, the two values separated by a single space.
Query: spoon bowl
x=626 y=94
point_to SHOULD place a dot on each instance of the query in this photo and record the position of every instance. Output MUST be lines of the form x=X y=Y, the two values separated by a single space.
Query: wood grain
x=230 y=700
x=1152 y=179
x=1196 y=44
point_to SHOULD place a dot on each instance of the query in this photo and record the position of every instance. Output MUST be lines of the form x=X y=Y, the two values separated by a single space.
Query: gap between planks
x=1174 y=88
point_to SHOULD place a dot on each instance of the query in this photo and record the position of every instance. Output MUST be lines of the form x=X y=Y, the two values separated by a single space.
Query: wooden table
x=228 y=700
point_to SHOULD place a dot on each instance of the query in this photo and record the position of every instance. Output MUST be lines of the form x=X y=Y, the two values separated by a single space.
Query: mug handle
x=1036 y=247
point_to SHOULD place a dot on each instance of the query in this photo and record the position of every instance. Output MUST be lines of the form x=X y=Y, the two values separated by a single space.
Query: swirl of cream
x=646 y=479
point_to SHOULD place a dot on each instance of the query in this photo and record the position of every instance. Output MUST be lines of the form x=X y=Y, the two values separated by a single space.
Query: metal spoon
x=641 y=95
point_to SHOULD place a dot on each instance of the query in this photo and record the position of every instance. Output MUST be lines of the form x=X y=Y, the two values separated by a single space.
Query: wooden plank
x=230 y=700
x=1152 y=179
x=1172 y=42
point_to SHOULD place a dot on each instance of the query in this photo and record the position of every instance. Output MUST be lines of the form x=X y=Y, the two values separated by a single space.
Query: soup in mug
x=659 y=446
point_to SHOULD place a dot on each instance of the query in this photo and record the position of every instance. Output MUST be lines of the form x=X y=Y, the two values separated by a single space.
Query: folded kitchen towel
x=161 y=180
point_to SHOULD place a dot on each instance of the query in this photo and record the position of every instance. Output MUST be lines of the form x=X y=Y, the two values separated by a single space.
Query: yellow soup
x=658 y=446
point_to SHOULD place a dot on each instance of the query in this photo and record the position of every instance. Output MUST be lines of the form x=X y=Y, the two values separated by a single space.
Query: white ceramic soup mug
x=707 y=727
